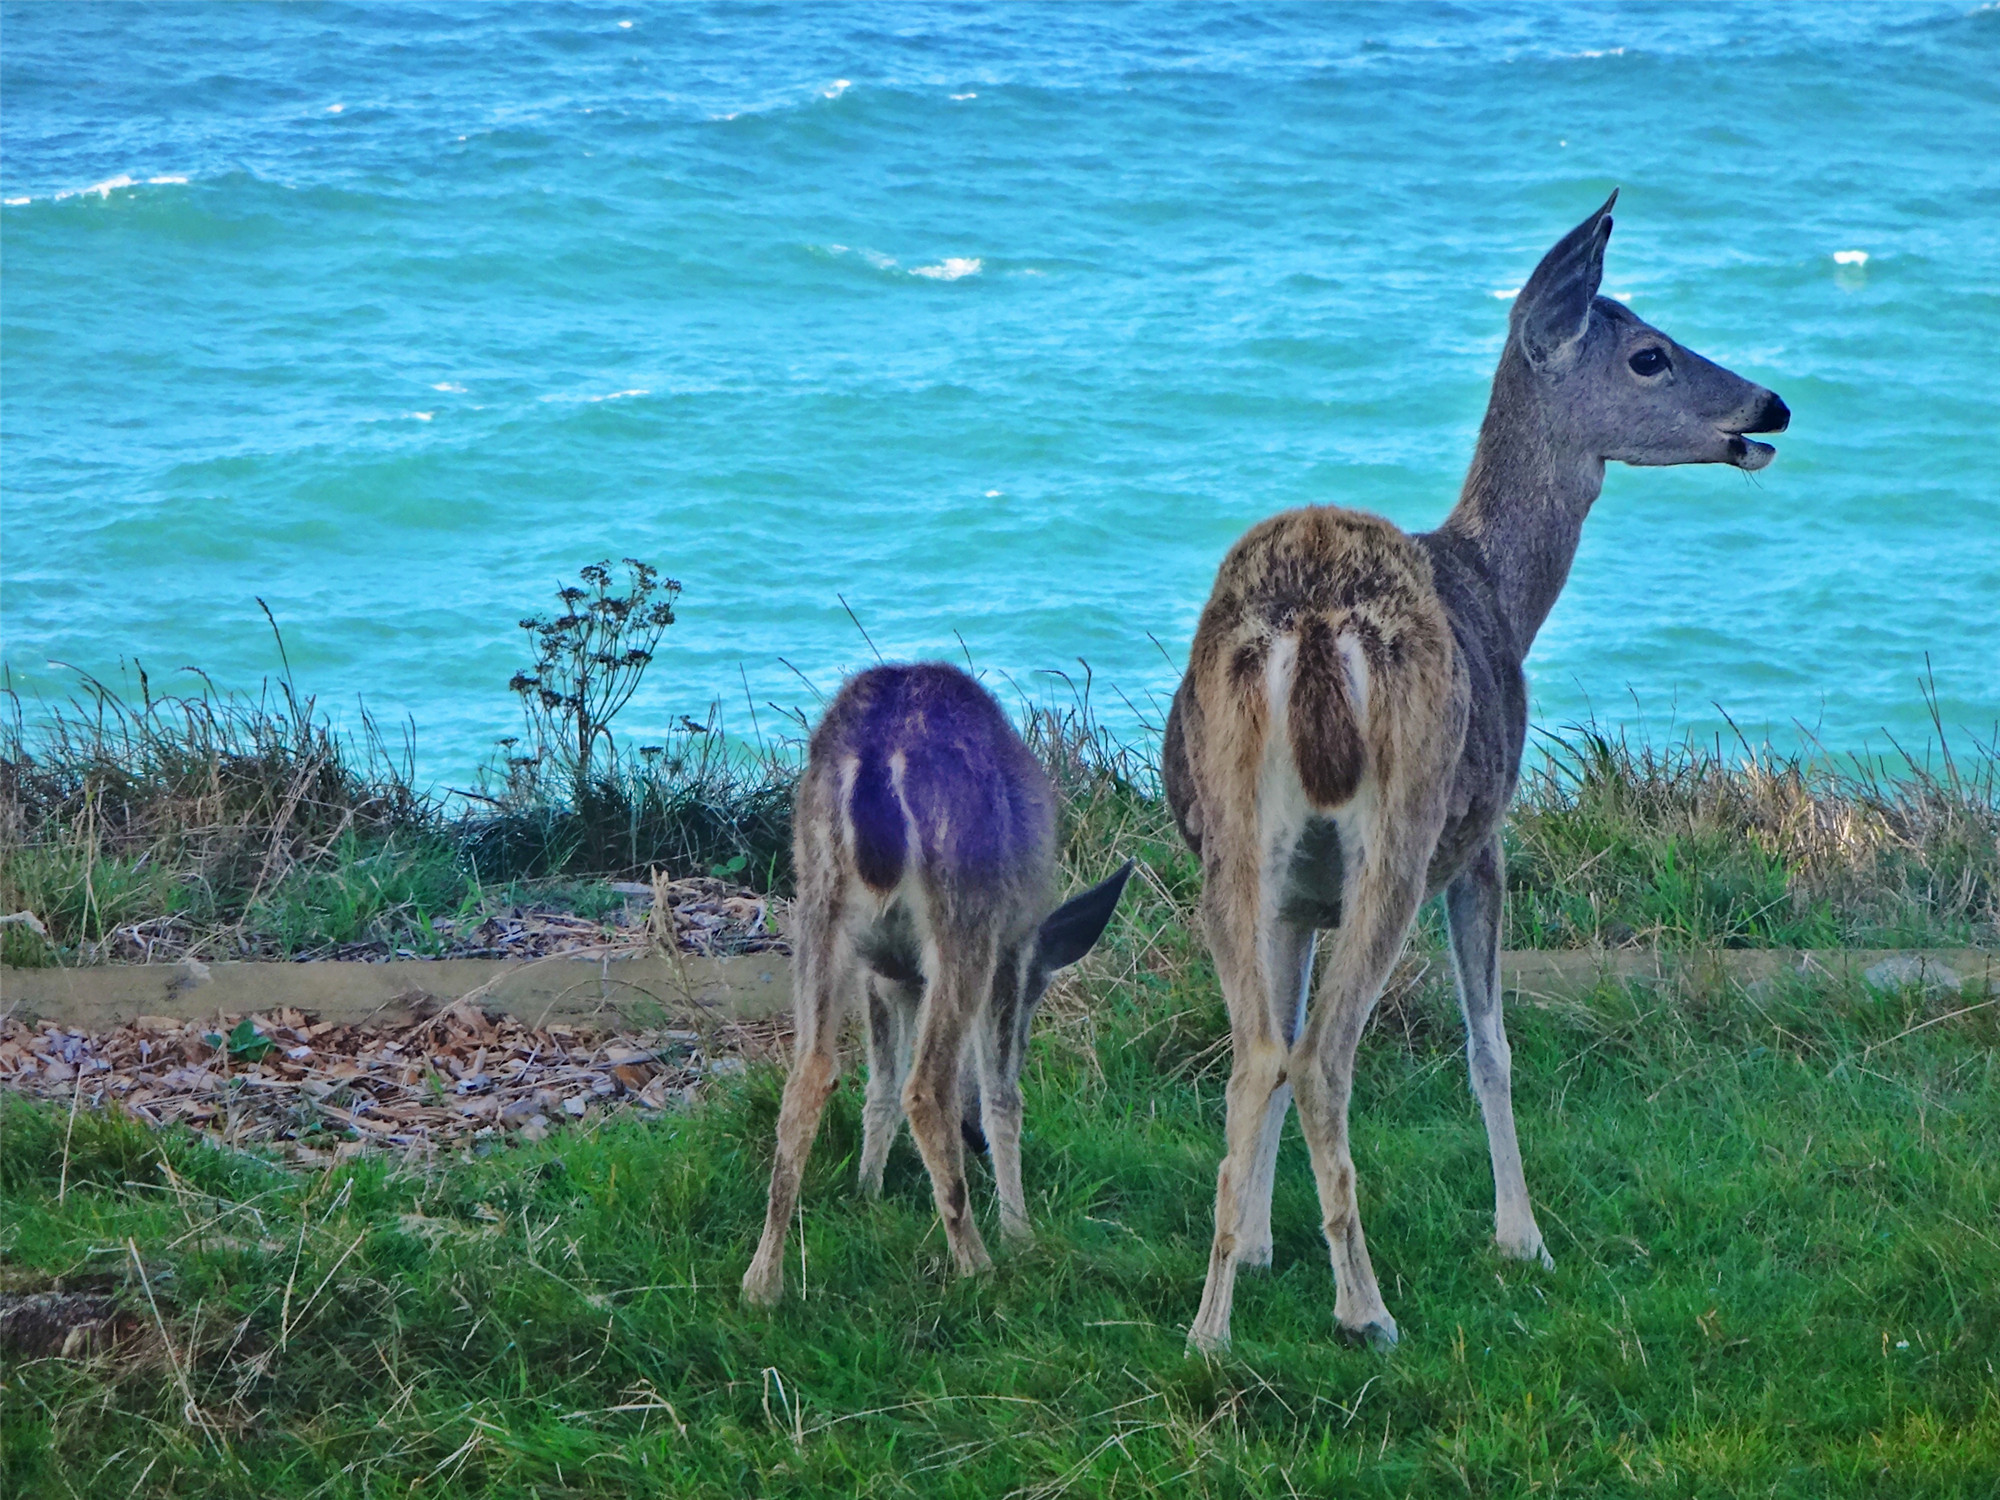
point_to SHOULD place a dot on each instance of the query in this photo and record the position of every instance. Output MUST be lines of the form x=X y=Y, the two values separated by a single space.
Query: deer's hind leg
x=1381 y=899
x=892 y=1015
x=959 y=967
x=1473 y=907
x=1256 y=1098
x=827 y=977
x=1288 y=961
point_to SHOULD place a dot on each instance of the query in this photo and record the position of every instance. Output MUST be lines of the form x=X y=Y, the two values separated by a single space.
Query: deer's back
x=1422 y=612
x=1336 y=610
x=916 y=770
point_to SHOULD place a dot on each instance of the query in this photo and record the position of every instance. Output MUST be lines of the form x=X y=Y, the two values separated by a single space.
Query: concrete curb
x=1536 y=975
x=634 y=991
x=608 y=991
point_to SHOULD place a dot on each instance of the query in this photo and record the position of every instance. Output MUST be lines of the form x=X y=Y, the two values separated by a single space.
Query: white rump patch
x=1357 y=677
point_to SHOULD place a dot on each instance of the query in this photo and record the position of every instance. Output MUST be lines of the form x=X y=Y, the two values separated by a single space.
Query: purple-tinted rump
x=877 y=816
x=979 y=800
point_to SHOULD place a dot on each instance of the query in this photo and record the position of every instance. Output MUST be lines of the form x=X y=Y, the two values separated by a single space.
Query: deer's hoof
x=1526 y=1246
x=1378 y=1333
x=1201 y=1344
x=762 y=1291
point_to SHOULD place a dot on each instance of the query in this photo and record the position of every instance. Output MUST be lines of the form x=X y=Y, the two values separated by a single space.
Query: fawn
x=925 y=845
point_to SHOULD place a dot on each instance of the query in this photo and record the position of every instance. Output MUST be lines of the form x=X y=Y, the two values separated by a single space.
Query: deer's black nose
x=1775 y=416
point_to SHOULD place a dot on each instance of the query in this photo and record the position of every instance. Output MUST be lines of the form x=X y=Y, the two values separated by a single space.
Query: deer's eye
x=1651 y=361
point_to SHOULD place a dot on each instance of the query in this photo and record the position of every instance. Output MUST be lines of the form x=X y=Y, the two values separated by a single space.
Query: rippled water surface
x=1000 y=322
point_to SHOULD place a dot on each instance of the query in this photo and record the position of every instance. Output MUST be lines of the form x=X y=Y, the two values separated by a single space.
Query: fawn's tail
x=875 y=813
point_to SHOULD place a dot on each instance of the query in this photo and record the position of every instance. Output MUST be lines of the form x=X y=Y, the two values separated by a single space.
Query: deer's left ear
x=1072 y=929
x=1553 y=311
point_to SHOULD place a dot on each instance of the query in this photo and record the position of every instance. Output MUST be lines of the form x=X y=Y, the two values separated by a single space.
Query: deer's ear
x=1553 y=311
x=1072 y=929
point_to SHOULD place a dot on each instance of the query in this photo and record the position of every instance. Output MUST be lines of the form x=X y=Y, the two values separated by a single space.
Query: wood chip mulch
x=699 y=915
x=322 y=1091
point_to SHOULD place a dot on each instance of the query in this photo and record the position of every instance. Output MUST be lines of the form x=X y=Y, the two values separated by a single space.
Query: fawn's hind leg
x=824 y=986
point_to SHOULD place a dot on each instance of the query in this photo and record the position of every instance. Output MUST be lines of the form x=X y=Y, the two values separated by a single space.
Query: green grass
x=1778 y=1273
x=252 y=827
x=1615 y=844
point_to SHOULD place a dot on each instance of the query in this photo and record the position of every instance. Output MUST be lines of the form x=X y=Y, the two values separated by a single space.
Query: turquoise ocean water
x=1000 y=321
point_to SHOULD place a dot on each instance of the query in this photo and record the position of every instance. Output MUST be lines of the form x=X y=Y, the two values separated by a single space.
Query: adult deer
x=924 y=839
x=1350 y=730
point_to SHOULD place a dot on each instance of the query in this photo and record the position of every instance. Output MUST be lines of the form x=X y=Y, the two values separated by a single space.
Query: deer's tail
x=875 y=813
x=1323 y=717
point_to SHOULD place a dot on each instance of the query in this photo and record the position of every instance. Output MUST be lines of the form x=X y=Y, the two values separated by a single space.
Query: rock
x=1907 y=969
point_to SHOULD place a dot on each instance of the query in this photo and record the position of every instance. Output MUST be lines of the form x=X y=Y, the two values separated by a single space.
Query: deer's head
x=1619 y=386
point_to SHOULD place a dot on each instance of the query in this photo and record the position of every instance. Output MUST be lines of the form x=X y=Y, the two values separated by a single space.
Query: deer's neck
x=1525 y=499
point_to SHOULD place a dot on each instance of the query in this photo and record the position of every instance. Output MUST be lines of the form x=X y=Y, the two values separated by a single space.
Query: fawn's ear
x=1072 y=929
x=1553 y=310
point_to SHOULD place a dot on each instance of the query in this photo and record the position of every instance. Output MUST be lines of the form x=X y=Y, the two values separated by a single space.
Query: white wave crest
x=449 y=385
x=17 y=202
x=1850 y=257
x=838 y=87
x=169 y=180
x=951 y=268
x=102 y=189
x=566 y=397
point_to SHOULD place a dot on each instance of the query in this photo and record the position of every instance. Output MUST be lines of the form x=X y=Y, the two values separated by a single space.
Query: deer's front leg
x=891 y=1016
x=931 y=1101
x=1473 y=906
x=997 y=1049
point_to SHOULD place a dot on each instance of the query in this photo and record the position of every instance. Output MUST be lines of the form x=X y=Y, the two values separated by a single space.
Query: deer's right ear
x=1072 y=929
x=1553 y=311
